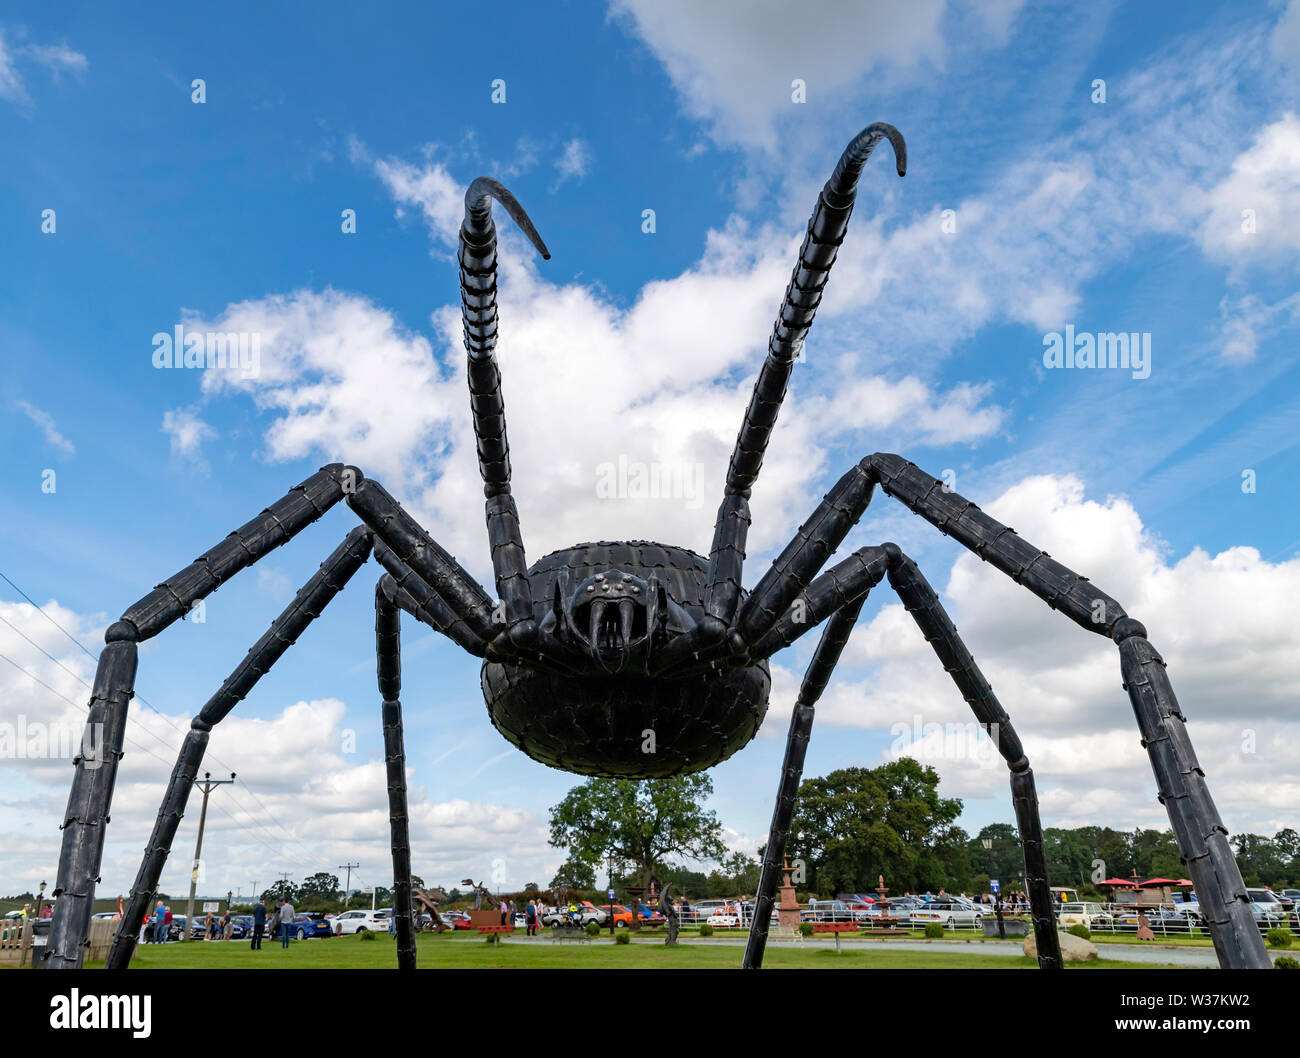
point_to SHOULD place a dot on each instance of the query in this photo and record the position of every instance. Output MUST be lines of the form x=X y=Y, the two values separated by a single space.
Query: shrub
x=1081 y=931
x=623 y=938
x=1285 y=962
x=706 y=930
x=593 y=930
x=365 y=934
x=805 y=929
x=1278 y=938
x=933 y=931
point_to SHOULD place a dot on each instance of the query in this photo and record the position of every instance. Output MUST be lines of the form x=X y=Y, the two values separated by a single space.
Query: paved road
x=1184 y=957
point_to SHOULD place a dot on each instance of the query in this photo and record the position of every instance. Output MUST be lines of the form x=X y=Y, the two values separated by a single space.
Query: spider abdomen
x=625 y=725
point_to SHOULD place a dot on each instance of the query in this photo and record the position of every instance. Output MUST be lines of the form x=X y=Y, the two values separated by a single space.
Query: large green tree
x=643 y=821
x=858 y=823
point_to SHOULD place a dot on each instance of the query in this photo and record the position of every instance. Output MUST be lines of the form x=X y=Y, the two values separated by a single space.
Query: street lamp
x=40 y=900
x=997 y=896
x=611 y=892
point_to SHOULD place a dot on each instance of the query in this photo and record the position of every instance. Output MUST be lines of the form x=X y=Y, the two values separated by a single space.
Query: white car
x=949 y=912
x=1087 y=914
x=728 y=915
x=361 y=922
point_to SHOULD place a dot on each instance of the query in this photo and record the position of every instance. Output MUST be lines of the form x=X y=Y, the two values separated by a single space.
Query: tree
x=530 y=887
x=574 y=874
x=857 y=823
x=319 y=887
x=641 y=820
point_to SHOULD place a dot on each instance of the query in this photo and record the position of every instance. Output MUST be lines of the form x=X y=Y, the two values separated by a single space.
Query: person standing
x=167 y=925
x=286 y=923
x=530 y=917
x=504 y=912
x=259 y=924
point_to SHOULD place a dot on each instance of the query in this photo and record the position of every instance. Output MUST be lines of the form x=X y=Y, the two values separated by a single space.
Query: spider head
x=617 y=617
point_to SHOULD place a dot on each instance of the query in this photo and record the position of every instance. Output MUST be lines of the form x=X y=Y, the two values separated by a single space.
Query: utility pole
x=206 y=786
x=347 y=886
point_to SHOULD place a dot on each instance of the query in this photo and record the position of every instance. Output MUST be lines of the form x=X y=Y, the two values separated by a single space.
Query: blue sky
x=1128 y=214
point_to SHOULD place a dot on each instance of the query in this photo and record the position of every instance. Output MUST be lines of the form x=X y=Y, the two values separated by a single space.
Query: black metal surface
x=388 y=663
x=829 y=648
x=308 y=604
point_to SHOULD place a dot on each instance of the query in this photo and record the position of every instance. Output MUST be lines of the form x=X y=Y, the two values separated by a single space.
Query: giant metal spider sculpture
x=590 y=648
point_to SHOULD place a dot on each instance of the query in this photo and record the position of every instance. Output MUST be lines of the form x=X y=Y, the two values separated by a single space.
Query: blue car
x=311 y=924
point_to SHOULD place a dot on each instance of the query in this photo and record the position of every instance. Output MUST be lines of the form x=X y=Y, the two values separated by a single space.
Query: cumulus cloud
x=732 y=63
x=1253 y=213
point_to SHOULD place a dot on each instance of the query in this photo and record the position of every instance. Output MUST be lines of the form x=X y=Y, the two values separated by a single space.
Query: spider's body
x=621 y=605
x=638 y=659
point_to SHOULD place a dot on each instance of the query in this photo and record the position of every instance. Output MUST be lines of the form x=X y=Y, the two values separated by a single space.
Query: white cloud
x=1253 y=214
x=46 y=423
x=733 y=62
x=56 y=59
x=574 y=162
x=187 y=432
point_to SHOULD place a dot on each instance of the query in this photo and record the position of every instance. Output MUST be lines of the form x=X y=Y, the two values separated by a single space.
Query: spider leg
x=828 y=651
x=91 y=796
x=416 y=549
x=920 y=600
x=478 y=294
x=307 y=605
x=826 y=228
x=1202 y=837
x=388 y=655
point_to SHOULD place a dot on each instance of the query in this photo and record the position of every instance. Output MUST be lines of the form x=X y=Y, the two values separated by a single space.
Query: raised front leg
x=388 y=653
x=92 y=786
x=311 y=600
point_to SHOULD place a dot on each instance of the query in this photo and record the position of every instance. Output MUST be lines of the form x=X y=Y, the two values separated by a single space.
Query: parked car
x=1160 y=919
x=1094 y=916
x=700 y=910
x=1268 y=900
x=828 y=911
x=1289 y=898
x=725 y=917
x=583 y=913
x=456 y=919
x=350 y=922
x=946 y=911
x=622 y=914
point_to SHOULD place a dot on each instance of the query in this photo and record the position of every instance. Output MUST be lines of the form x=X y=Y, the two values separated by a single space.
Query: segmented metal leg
x=828 y=651
x=1202 y=837
x=388 y=653
x=920 y=600
x=416 y=549
x=311 y=600
x=91 y=797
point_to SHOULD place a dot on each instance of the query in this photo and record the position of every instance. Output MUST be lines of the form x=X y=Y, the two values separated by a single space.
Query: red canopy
x=1118 y=882
x=1182 y=882
x=1159 y=881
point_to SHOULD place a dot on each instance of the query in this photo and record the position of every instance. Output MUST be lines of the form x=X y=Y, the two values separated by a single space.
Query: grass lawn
x=474 y=953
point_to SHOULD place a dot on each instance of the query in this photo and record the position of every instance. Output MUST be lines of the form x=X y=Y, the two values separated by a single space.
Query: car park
x=1160 y=919
x=828 y=911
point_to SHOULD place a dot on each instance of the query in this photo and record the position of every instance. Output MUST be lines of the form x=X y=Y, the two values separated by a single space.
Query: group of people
x=157 y=925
